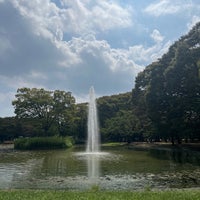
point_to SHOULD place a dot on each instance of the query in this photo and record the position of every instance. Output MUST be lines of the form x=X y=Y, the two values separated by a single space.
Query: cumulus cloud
x=112 y=16
x=43 y=49
x=75 y=17
x=146 y=55
x=66 y=46
x=107 y=69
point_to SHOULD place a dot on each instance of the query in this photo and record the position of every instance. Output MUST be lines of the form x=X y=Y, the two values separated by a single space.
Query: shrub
x=42 y=143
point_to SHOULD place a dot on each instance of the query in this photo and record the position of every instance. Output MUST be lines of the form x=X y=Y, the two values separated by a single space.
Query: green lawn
x=101 y=195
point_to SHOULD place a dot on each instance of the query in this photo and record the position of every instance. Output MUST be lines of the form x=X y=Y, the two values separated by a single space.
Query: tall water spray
x=93 y=129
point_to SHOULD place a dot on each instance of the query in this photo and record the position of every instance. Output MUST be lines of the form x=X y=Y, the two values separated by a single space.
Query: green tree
x=108 y=106
x=64 y=111
x=169 y=89
x=47 y=106
x=9 y=128
x=124 y=127
x=81 y=122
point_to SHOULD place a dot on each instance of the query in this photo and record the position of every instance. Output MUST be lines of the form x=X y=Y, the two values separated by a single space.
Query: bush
x=42 y=143
x=69 y=141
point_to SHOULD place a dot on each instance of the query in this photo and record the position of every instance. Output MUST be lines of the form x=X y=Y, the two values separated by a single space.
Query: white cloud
x=161 y=8
x=114 y=59
x=77 y=17
x=112 y=15
x=45 y=17
x=146 y=55
x=74 y=65
x=194 y=20
x=165 y=7
x=156 y=36
x=101 y=65
x=16 y=82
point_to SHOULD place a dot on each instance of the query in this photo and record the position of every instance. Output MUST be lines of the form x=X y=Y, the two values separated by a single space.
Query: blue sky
x=71 y=45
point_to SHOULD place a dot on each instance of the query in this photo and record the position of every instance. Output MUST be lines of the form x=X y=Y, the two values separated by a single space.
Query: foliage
x=9 y=128
x=42 y=143
x=50 y=108
x=169 y=90
x=92 y=195
x=117 y=122
x=108 y=106
x=69 y=141
x=122 y=127
x=80 y=132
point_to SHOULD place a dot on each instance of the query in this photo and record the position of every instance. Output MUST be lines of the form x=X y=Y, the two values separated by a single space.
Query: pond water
x=119 y=168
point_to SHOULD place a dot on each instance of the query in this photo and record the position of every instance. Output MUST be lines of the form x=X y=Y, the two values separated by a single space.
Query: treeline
x=44 y=113
x=164 y=105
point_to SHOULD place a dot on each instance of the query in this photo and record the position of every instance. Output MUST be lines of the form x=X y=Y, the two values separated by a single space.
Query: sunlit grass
x=99 y=195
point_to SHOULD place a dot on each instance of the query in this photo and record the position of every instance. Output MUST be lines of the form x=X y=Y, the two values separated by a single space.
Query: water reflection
x=177 y=155
x=119 y=169
x=93 y=167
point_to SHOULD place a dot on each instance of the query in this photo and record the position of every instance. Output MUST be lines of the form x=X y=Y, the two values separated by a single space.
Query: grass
x=114 y=144
x=99 y=195
x=42 y=143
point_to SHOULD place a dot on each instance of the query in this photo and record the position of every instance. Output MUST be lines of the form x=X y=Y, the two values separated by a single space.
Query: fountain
x=93 y=128
x=93 y=155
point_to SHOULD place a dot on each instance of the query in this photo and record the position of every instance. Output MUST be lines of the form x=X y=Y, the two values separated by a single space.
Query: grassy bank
x=43 y=143
x=99 y=195
x=114 y=144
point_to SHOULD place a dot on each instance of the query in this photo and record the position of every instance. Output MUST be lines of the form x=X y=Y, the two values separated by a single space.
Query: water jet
x=93 y=146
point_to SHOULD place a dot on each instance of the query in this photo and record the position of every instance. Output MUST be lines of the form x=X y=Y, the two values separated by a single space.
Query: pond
x=119 y=168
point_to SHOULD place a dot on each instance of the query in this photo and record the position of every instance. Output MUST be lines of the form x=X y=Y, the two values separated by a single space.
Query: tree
x=169 y=89
x=81 y=122
x=124 y=127
x=47 y=106
x=9 y=128
x=64 y=111
x=108 y=106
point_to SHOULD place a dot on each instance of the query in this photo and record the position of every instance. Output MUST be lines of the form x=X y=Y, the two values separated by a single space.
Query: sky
x=72 y=45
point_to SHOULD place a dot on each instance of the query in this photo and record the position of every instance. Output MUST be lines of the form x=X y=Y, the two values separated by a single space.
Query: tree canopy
x=50 y=107
x=169 y=88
